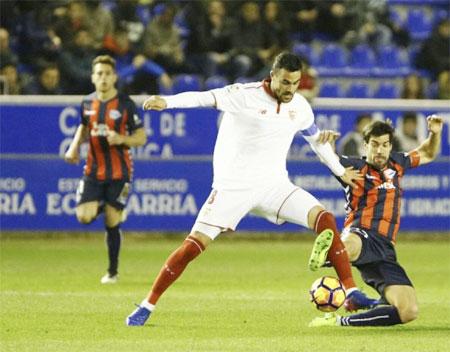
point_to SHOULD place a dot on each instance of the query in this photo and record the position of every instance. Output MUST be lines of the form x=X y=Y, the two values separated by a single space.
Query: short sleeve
x=346 y=161
x=407 y=160
x=230 y=98
x=134 y=122
x=84 y=118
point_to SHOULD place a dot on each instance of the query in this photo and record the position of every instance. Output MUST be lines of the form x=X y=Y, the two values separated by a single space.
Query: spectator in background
x=367 y=27
x=443 y=85
x=308 y=86
x=407 y=135
x=304 y=15
x=434 y=54
x=99 y=22
x=69 y=19
x=352 y=144
x=413 y=87
x=136 y=73
x=11 y=82
x=125 y=15
x=6 y=54
x=48 y=82
x=253 y=45
x=334 y=19
x=162 y=40
x=75 y=63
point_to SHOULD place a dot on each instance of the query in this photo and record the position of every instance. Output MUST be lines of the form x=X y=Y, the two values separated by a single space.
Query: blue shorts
x=378 y=263
x=113 y=192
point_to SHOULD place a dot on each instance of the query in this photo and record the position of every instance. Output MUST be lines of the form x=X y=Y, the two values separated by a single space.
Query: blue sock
x=113 y=240
x=380 y=316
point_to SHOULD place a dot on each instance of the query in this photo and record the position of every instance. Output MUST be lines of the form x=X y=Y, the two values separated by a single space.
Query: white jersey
x=255 y=135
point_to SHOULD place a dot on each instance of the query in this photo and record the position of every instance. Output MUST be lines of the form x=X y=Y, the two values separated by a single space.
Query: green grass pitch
x=240 y=295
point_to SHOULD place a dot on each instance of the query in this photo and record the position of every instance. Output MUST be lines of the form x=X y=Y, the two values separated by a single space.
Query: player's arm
x=181 y=100
x=135 y=139
x=72 y=154
x=320 y=144
x=430 y=147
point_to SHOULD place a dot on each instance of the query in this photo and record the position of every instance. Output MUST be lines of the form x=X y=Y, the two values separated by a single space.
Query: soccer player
x=110 y=122
x=257 y=129
x=373 y=219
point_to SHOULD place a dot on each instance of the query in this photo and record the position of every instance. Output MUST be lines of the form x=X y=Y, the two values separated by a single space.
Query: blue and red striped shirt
x=375 y=205
x=104 y=161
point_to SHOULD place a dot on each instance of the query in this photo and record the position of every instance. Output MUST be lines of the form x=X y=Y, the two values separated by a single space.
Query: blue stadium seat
x=332 y=60
x=387 y=90
x=330 y=90
x=418 y=23
x=186 y=82
x=306 y=51
x=358 y=90
x=362 y=60
x=392 y=62
x=214 y=82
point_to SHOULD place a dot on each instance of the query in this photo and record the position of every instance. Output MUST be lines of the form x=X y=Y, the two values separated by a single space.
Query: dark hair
x=409 y=116
x=287 y=61
x=104 y=59
x=361 y=117
x=377 y=129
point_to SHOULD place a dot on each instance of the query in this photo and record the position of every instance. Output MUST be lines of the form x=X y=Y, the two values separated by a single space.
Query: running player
x=257 y=129
x=373 y=220
x=111 y=124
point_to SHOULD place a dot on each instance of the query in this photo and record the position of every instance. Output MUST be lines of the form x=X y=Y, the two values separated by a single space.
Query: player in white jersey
x=250 y=176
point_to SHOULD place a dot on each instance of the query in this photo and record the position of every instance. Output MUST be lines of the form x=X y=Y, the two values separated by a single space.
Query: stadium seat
x=419 y=24
x=358 y=90
x=215 y=82
x=387 y=90
x=185 y=82
x=306 y=51
x=392 y=62
x=362 y=60
x=332 y=60
x=243 y=80
x=330 y=90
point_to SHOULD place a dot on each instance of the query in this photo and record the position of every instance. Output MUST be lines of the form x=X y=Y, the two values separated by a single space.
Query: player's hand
x=114 y=138
x=329 y=136
x=435 y=123
x=351 y=176
x=72 y=156
x=155 y=102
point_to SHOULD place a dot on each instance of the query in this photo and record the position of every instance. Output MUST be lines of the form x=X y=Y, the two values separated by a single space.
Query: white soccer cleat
x=109 y=279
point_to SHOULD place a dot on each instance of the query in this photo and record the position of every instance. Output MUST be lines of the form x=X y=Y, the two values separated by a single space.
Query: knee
x=408 y=313
x=85 y=218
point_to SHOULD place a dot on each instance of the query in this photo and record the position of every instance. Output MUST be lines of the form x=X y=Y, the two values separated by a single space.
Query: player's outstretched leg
x=380 y=316
x=171 y=270
x=325 y=226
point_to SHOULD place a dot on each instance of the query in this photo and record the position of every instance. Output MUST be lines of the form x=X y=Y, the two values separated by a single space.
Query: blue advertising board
x=166 y=195
x=173 y=171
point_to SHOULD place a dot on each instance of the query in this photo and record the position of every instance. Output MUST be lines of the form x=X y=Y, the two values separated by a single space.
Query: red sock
x=337 y=254
x=174 y=266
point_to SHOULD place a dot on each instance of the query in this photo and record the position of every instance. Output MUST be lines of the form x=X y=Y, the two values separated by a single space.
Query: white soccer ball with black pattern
x=327 y=294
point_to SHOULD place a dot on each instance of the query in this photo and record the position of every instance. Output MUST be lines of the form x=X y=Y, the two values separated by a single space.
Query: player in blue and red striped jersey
x=373 y=220
x=110 y=122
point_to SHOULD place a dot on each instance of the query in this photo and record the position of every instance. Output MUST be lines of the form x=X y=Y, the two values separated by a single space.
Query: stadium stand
x=54 y=23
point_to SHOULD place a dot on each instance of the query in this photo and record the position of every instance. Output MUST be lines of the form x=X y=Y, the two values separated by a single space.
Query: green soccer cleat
x=320 y=250
x=329 y=319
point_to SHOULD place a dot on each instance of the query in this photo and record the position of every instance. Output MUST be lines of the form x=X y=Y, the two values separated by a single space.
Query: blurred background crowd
x=351 y=48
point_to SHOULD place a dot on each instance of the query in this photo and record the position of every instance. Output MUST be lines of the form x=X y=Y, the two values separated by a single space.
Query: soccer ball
x=327 y=294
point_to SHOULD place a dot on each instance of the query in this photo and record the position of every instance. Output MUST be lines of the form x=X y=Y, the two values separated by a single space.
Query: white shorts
x=224 y=209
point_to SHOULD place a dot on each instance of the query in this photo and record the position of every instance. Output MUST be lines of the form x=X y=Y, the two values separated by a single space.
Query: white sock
x=350 y=290
x=149 y=306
